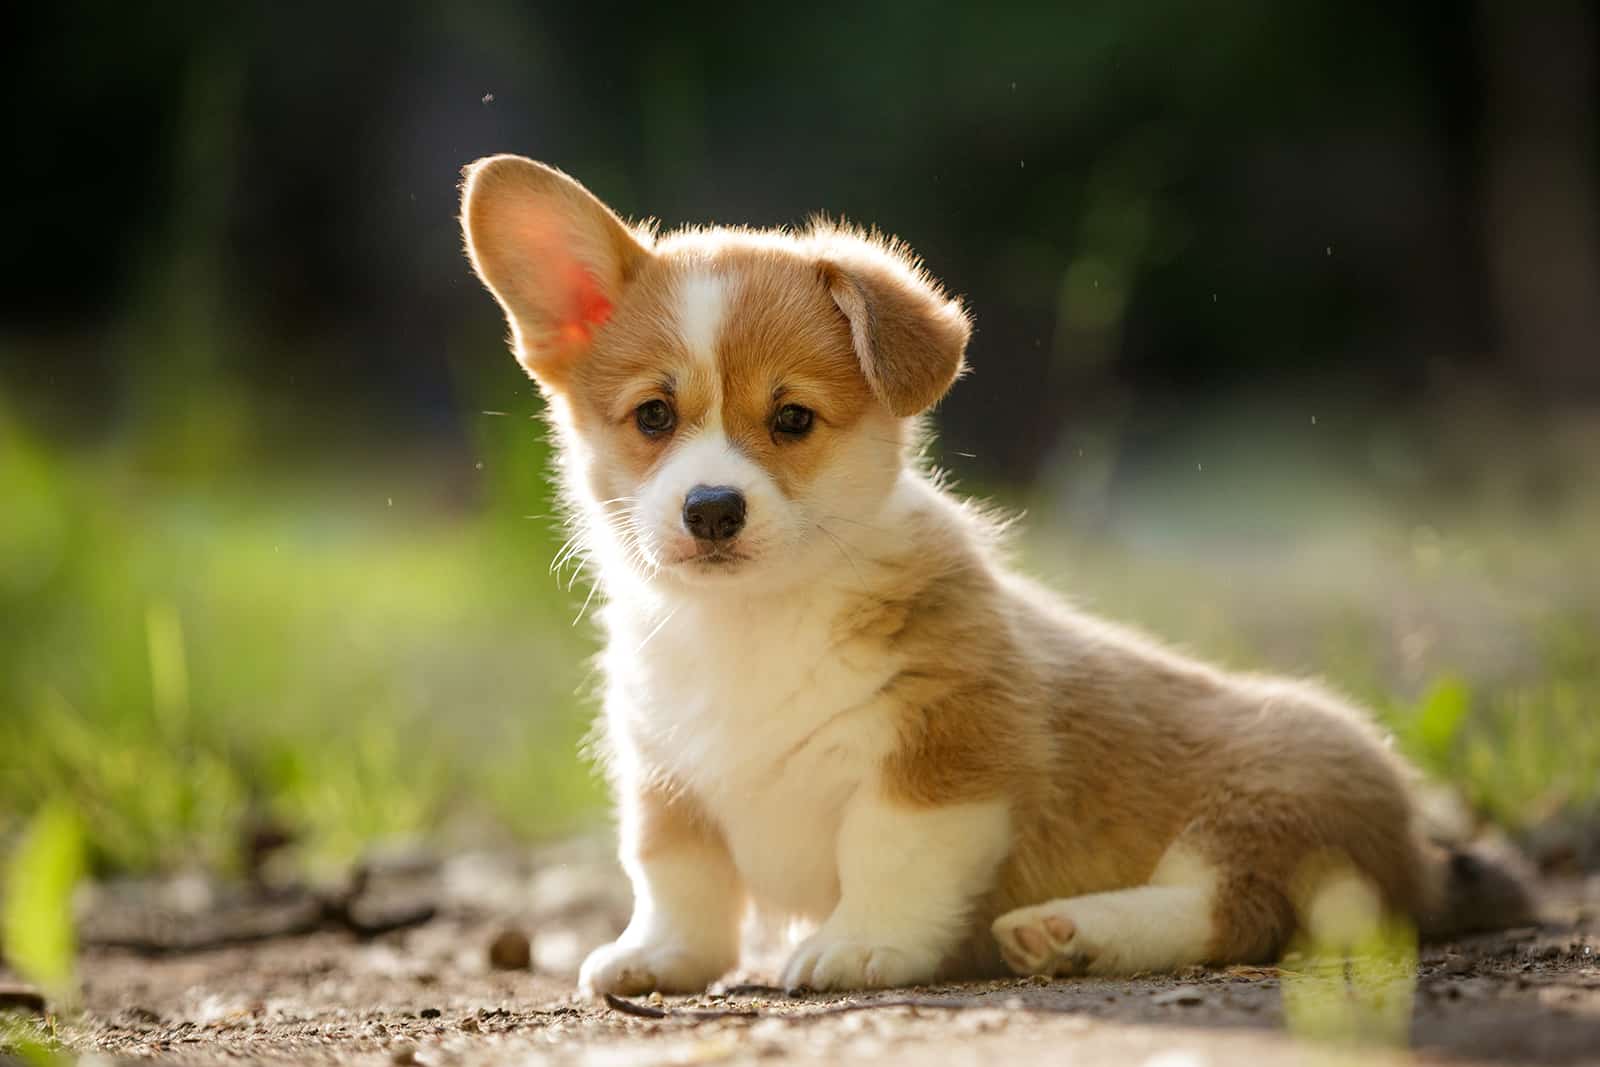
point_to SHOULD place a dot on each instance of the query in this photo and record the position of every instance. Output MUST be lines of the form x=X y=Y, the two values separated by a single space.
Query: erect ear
x=555 y=257
x=910 y=337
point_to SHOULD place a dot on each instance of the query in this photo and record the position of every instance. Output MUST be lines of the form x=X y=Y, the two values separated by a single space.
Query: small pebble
x=430 y=1013
x=510 y=950
x=1184 y=994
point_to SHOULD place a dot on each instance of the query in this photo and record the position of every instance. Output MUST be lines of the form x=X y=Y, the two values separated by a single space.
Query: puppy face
x=723 y=417
x=732 y=405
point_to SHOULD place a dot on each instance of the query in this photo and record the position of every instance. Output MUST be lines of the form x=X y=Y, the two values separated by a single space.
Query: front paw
x=824 y=962
x=629 y=970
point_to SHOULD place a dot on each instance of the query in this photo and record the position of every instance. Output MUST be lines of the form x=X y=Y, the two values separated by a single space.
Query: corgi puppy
x=828 y=695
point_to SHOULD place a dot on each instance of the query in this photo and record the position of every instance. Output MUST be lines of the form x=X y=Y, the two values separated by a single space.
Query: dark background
x=1147 y=205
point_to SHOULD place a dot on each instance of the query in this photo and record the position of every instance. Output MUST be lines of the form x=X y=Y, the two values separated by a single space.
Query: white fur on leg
x=908 y=877
x=1151 y=928
x=684 y=933
x=1158 y=927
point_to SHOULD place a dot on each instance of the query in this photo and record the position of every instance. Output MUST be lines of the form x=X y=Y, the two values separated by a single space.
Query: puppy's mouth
x=713 y=555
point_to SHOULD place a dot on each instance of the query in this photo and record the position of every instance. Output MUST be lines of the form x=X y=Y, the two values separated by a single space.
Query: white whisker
x=593 y=588
x=854 y=522
x=840 y=546
x=651 y=635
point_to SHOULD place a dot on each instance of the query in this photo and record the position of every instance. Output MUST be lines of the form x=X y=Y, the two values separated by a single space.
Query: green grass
x=37 y=936
x=351 y=660
x=365 y=651
x=1467 y=619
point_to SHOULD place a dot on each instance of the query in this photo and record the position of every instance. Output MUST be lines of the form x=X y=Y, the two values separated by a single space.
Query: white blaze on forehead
x=702 y=301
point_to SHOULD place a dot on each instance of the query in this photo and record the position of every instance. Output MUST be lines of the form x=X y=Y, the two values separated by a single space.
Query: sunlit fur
x=856 y=713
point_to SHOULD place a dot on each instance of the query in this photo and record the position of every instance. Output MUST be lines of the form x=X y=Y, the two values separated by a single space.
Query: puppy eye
x=654 y=417
x=793 y=420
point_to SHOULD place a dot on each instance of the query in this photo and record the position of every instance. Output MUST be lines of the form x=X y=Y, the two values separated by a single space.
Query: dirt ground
x=183 y=972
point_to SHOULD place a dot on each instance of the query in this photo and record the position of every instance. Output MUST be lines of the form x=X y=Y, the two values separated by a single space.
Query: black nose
x=714 y=512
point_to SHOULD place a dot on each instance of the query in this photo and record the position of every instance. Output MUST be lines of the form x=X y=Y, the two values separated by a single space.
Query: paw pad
x=1035 y=942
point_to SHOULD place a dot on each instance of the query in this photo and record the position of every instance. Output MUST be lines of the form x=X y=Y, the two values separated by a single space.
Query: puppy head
x=732 y=404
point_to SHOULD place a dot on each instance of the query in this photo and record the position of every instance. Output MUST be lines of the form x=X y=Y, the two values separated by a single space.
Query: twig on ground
x=699 y=1015
x=628 y=1007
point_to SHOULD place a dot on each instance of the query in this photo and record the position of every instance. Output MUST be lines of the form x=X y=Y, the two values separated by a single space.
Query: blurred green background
x=1288 y=342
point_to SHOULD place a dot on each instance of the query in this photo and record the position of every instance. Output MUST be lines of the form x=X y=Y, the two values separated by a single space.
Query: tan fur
x=1111 y=752
x=550 y=247
x=666 y=819
x=637 y=355
x=909 y=338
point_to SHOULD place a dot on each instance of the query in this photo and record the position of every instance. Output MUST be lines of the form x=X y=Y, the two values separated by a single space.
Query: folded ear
x=910 y=337
x=555 y=257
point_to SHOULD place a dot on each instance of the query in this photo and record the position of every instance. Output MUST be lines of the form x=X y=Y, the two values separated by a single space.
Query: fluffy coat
x=855 y=712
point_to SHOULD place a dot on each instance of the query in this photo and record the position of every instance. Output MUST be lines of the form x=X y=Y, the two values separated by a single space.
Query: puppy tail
x=1476 y=889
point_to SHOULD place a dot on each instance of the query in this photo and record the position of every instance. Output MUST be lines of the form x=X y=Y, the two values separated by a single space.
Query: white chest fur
x=771 y=721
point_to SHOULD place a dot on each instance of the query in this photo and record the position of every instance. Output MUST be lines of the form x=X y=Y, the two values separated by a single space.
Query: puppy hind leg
x=1148 y=928
x=1190 y=913
x=1253 y=919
